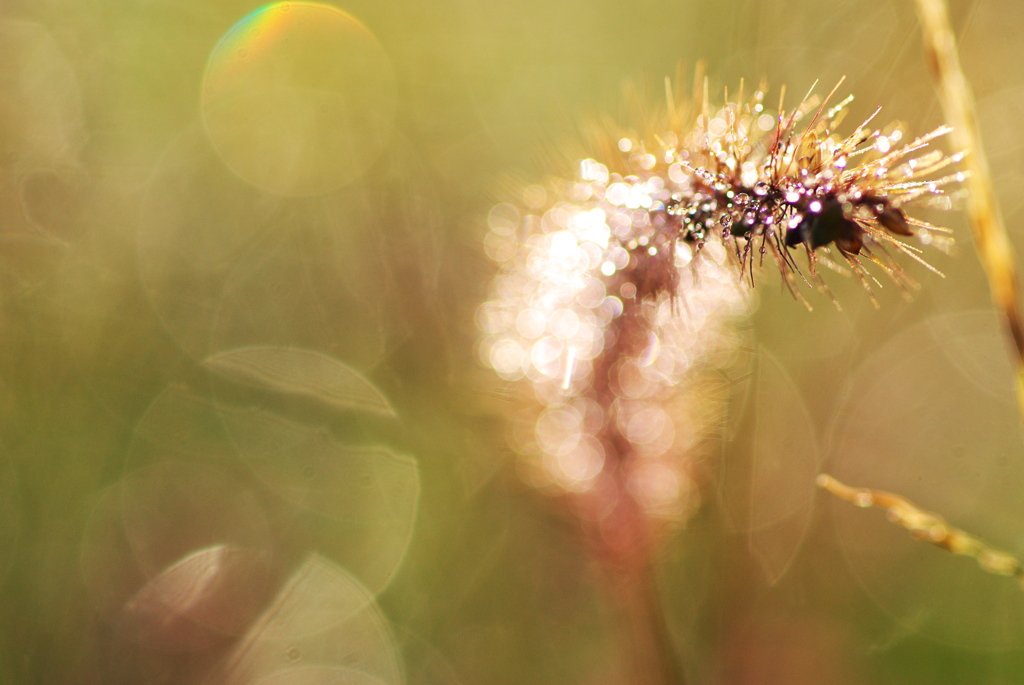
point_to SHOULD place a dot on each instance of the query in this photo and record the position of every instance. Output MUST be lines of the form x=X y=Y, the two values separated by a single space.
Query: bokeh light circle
x=141 y=583
x=322 y=622
x=299 y=98
x=197 y=223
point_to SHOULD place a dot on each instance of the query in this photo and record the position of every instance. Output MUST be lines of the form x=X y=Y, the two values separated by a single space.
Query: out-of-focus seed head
x=610 y=320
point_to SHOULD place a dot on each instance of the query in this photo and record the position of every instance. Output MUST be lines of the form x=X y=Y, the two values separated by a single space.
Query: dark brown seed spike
x=894 y=220
x=850 y=244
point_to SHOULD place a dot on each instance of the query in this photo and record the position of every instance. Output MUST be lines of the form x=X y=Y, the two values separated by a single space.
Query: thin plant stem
x=990 y=237
x=927 y=526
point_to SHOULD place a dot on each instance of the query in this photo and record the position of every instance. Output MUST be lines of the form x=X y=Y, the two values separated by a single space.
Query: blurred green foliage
x=106 y=178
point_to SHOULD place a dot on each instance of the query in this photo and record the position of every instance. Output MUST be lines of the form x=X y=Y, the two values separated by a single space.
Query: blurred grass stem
x=639 y=609
x=990 y=237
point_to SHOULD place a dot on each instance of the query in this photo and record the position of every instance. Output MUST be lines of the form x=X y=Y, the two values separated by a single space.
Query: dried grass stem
x=990 y=237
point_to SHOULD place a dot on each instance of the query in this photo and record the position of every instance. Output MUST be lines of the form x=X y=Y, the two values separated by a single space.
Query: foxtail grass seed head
x=618 y=287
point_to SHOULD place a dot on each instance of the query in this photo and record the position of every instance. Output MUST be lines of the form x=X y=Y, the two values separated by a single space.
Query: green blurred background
x=133 y=246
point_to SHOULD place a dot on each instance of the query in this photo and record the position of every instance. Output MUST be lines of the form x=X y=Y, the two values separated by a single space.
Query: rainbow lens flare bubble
x=298 y=98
